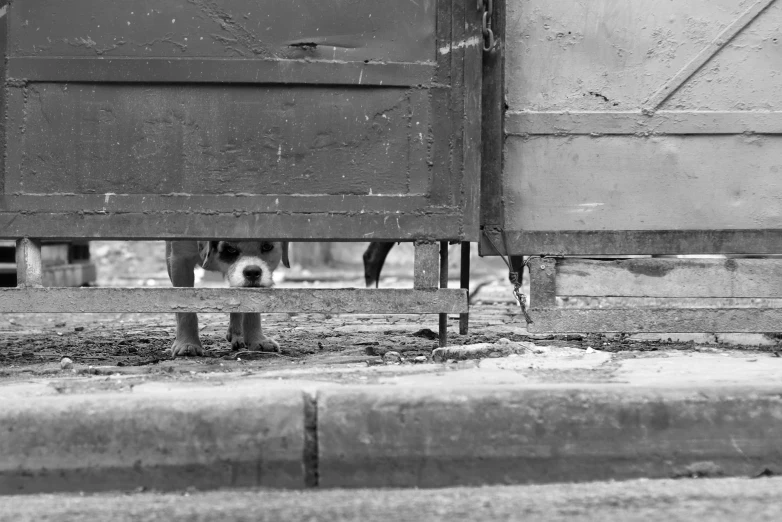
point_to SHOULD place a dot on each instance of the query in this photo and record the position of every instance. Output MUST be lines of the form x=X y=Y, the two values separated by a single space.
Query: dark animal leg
x=374 y=258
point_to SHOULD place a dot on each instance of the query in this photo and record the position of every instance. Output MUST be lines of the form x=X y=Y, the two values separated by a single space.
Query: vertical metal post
x=443 y=284
x=464 y=319
x=425 y=268
x=28 y=263
x=543 y=283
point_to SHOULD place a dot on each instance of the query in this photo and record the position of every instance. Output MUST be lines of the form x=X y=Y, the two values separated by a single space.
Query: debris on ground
x=502 y=348
x=705 y=469
x=426 y=333
x=392 y=357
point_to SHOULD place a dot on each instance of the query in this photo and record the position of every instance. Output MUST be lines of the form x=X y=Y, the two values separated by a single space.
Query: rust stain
x=648 y=269
x=731 y=265
x=16 y=82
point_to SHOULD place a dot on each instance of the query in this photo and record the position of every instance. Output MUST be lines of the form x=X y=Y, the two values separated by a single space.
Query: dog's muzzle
x=252 y=274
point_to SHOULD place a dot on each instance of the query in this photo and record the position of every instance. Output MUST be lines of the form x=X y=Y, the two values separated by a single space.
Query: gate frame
x=551 y=246
x=456 y=94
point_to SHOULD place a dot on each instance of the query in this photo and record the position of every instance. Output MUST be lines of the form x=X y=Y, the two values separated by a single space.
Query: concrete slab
x=435 y=437
x=158 y=435
x=701 y=369
x=556 y=359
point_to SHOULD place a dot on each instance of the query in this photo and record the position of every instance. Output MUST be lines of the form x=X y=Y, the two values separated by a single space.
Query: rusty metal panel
x=654 y=295
x=121 y=139
x=298 y=225
x=333 y=30
x=225 y=300
x=679 y=320
x=668 y=278
x=426 y=265
x=3 y=106
x=216 y=70
x=644 y=242
x=326 y=120
x=614 y=55
x=647 y=183
x=643 y=118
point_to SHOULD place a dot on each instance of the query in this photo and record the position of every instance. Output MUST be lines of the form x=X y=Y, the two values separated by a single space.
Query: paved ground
x=714 y=500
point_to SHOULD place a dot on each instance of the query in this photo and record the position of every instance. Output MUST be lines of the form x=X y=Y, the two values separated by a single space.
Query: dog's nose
x=252 y=272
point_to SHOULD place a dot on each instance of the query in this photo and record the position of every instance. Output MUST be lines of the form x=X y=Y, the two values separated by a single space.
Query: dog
x=246 y=264
x=374 y=259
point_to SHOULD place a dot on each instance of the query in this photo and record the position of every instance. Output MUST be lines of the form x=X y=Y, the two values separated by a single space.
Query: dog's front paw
x=237 y=341
x=186 y=348
x=264 y=344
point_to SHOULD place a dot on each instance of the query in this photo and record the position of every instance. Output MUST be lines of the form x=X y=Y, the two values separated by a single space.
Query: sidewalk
x=357 y=401
x=724 y=500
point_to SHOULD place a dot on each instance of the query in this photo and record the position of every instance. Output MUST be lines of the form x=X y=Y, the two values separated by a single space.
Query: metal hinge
x=490 y=43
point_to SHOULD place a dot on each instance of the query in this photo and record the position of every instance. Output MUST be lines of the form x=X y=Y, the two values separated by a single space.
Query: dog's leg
x=180 y=263
x=244 y=332
x=234 y=335
x=253 y=336
x=374 y=259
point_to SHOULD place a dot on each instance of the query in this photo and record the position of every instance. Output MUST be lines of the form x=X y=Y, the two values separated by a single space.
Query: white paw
x=263 y=344
x=186 y=348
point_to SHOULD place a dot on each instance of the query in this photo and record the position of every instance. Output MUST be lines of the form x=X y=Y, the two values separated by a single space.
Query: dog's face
x=244 y=263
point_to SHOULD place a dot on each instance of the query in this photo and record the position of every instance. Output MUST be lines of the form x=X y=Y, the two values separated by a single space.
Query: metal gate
x=640 y=127
x=342 y=120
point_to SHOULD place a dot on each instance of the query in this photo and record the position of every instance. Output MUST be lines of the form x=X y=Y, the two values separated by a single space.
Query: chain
x=489 y=42
x=513 y=276
x=521 y=298
x=518 y=294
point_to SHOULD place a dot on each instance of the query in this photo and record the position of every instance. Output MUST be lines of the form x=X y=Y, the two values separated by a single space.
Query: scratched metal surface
x=345 y=30
x=642 y=116
x=210 y=139
x=326 y=120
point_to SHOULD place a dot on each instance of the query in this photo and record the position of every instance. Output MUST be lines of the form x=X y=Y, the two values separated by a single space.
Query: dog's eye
x=230 y=250
x=267 y=247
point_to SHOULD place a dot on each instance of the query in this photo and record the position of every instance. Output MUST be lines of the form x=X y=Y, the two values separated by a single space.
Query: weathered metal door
x=640 y=127
x=349 y=120
x=305 y=119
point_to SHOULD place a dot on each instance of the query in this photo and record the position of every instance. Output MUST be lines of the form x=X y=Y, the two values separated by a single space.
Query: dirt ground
x=130 y=343
x=35 y=344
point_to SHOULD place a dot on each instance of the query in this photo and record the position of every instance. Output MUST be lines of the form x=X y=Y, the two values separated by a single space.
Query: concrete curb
x=289 y=435
x=206 y=437
x=513 y=435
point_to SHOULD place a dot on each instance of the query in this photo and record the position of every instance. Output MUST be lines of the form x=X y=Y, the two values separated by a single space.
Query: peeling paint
x=473 y=41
